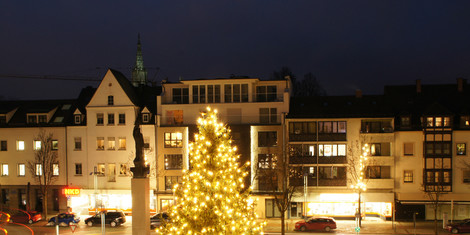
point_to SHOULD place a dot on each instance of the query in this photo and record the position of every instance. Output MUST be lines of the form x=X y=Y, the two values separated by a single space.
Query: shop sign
x=71 y=191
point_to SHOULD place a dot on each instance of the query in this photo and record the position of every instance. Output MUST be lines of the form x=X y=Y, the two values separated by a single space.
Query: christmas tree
x=212 y=198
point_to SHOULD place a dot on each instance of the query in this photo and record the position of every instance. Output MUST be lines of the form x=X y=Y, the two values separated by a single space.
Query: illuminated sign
x=71 y=191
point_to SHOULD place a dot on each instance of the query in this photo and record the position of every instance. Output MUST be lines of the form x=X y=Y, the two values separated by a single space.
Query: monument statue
x=140 y=170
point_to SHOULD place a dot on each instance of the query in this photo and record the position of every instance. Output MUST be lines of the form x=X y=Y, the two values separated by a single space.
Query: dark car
x=113 y=218
x=24 y=217
x=156 y=220
x=462 y=227
x=325 y=224
x=67 y=218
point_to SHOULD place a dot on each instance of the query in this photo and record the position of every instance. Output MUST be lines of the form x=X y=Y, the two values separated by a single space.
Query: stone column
x=140 y=188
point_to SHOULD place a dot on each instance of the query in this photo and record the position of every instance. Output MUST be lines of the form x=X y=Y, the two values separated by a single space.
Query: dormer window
x=3 y=119
x=110 y=100
x=464 y=121
x=37 y=118
x=77 y=119
x=146 y=117
x=405 y=121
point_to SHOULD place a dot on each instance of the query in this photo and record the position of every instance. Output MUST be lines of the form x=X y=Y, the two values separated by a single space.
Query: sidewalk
x=369 y=226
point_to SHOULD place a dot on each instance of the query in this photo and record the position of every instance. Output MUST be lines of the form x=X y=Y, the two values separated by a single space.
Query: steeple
x=139 y=73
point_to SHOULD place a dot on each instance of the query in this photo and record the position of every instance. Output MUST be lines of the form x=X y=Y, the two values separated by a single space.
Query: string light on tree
x=212 y=198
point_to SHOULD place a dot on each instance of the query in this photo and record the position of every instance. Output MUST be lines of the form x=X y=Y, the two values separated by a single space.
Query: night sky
x=347 y=45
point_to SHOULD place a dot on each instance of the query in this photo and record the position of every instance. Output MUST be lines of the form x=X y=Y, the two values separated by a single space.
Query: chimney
x=460 y=82
x=418 y=85
x=358 y=93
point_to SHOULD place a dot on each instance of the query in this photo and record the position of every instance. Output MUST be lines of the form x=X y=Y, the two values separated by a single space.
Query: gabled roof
x=126 y=86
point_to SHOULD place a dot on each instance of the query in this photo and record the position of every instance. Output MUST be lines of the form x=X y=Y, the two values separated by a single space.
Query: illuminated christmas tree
x=212 y=198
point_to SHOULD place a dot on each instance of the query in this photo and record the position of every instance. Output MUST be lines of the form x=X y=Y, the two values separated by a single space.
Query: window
x=268 y=115
x=99 y=143
x=110 y=100
x=110 y=118
x=267 y=139
x=466 y=176
x=5 y=196
x=173 y=161
x=213 y=93
x=405 y=121
x=21 y=169
x=55 y=145
x=111 y=172
x=146 y=142
x=5 y=170
x=3 y=145
x=302 y=149
x=379 y=149
x=174 y=140
x=465 y=121
x=332 y=150
x=267 y=161
x=170 y=181
x=272 y=211
x=199 y=94
x=78 y=169
x=461 y=149
x=3 y=119
x=165 y=204
x=332 y=127
x=174 y=117
x=78 y=143
x=437 y=121
x=407 y=176
x=36 y=144
x=77 y=119
x=266 y=93
x=236 y=93
x=55 y=169
x=299 y=128
x=111 y=143
x=101 y=169
x=146 y=117
x=181 y=95
x=99 y=119
x=32 y=119
x=20 y=145
x=377 y=172
x=38 y=170
x=122 y=143
x=123 y=169
x=408 y=149
x=36 y=118
x=122 y=118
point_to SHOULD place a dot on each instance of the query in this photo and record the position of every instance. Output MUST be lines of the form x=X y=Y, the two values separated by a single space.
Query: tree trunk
x=436 y=232
x=44 y=204
x=283 y=224
x=359 y=210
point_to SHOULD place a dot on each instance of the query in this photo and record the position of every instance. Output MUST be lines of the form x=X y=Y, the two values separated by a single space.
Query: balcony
x=380 y=184
x=313 y=160
x=311 y=181
x=332 y=182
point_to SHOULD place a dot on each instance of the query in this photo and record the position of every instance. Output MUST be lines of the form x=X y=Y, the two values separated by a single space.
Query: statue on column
x=140 y=170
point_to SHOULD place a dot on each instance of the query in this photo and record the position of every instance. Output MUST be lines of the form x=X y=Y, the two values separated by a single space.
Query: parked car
x=324 y=223
x=113 y=218
x=24 y=217
x=462 y=227
x=156 y=220
x=67 y=218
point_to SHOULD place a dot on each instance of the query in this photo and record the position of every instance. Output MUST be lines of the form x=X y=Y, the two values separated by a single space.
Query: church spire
x=139 y=73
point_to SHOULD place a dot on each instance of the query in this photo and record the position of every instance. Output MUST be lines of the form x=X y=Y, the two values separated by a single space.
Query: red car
x=462 y=227
x=24 y=217
x=324 y=223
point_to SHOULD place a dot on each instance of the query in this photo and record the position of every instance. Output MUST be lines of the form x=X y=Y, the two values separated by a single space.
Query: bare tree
x=308 y=86
x=434 y=195
x=273 y=177
x=42 y=167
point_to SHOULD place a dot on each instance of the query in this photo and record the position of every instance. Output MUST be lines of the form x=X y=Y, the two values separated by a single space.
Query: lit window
x=110 y=118
x=332 y=150
x=37 y=145
x=123 y=170
x=78 y=169
x=111 y=143
x=55 y=144
x=99 y=119
x=110 y=100
x=170 y=181
x=20 y=145
x=5 y=170
x=78 y=143
x=122 y=118
x=465 y=121
x=408 y=176
x=3 y=145
x=173 y=161
x=429 y=122
x=100 y=143
x=55 y=169
x=122 y=143
x=21 y=169
x=446 y=121
x=461 y=149
x=174 y=140
x=38 y=169
x=111 y=172
x=101 y=169
x=438 y=121
x=267 y=161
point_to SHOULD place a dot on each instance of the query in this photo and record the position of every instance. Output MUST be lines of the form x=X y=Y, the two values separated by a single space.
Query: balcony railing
x=321 y=137
x=313 y=160
x=332 y=182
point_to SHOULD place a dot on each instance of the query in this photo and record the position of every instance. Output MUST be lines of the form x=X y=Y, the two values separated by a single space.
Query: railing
x=332 y=182
x=278 y=97
x=321 y=137
x=321 y=160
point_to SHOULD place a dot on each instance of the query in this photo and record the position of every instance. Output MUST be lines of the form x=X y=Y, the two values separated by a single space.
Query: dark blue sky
x=348 y=45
